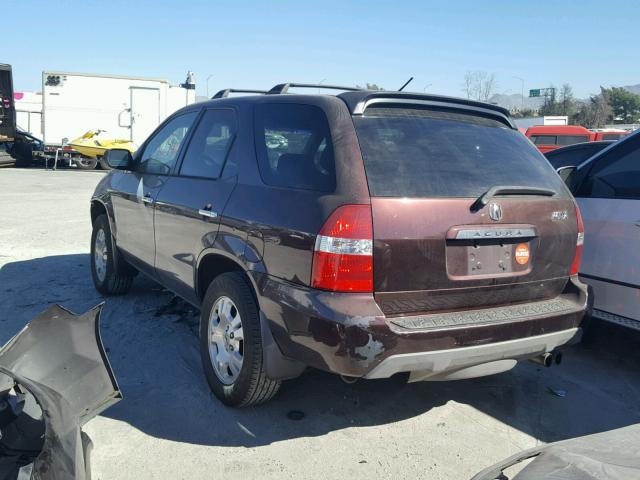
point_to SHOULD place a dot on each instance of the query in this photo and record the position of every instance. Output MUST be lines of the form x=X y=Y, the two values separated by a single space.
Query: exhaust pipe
x=548 y=359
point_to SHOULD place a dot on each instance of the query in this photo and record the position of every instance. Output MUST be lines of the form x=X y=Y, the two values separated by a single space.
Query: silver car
x=607 y=188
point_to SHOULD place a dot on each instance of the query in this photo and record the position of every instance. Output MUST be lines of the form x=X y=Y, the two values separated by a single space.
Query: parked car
x=573 y=155
x=550 y=137
x=608 y=134
x=607 y=188
x=382 y=233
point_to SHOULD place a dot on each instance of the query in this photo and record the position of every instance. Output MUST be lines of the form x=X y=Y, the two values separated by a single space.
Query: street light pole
x=208 y=78
x=521 y=91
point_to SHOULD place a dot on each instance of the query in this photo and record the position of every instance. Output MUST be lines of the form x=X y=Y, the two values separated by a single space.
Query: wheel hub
x=226 y=340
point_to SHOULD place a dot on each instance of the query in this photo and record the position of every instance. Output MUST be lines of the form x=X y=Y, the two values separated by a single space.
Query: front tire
x=110 y=276
x=231 y=343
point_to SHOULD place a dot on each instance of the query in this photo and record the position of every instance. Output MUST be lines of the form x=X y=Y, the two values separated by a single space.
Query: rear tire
x=85 y=163
x=110 y=276
x=103 y=164
x=238 y=386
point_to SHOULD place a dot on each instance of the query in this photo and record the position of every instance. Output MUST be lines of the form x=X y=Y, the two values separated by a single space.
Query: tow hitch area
x=54 y=377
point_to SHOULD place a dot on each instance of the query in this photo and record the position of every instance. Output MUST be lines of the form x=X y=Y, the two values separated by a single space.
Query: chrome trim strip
x=481 y=233
x=207 y=213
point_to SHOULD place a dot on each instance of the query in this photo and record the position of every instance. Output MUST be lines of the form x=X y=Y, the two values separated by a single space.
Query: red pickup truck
x=550 y=137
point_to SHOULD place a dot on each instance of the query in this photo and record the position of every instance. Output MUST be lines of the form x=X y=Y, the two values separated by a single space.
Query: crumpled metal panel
x=59 y=357
x=612 y=455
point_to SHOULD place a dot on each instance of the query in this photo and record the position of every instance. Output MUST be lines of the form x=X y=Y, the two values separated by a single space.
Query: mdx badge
x=559 y=215
x=495 y=212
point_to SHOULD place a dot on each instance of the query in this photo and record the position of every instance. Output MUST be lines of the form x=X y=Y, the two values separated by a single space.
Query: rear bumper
x=348 y=334
x=467 y=362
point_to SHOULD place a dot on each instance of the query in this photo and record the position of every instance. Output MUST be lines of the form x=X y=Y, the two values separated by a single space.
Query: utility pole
x=208 y=78
x=521 y=92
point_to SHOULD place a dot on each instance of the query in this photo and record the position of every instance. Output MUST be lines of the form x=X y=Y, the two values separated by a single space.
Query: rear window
x=427 y=153
x=612 y=136
x=294 y=146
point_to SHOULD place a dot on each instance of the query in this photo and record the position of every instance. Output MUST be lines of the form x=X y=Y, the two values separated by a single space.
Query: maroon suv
x=366 y=234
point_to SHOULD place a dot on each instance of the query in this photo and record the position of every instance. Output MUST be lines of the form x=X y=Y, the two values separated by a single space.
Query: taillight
x=577 y=259
x=343 y=254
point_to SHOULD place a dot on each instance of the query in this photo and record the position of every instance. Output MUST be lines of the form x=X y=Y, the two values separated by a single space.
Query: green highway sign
x=534 y=93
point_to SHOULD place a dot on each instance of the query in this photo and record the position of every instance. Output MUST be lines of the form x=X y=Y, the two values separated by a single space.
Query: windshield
x=427 y=153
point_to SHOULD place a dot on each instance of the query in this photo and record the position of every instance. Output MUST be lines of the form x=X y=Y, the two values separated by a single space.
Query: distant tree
x=595 y=112
x=550 y=106
x=479 y=85
x=526 y=113
x=566 y=101
x=371 y=86
x=625 y=105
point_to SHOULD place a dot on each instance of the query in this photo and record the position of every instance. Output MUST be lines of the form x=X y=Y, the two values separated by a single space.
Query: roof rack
x=225 y=93
x=284 y=87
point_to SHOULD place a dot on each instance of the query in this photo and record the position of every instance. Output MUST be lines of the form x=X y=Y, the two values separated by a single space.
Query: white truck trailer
x=121 y=106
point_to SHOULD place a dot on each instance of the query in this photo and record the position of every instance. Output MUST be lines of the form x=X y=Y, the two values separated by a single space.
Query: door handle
x=147 y=198
x=207 y=211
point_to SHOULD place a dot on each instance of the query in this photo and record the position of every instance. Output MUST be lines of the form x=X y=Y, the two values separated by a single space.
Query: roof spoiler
x=284 y=87
x=227 y=91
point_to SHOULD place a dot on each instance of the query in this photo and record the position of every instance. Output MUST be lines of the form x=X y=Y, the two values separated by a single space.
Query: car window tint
x=210 y=144
x=615 y=176
x=294 y=146
x=571 y=139
x=161 y=153
x=543 y=139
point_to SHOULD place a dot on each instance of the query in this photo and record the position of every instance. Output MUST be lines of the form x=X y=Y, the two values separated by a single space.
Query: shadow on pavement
x=150 y=338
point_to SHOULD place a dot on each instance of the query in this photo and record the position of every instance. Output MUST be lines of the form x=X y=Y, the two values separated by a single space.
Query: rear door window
x=428 y=153
x=294 y=146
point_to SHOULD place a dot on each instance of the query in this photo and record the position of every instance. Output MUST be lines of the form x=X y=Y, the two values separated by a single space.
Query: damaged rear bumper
x=348 y=334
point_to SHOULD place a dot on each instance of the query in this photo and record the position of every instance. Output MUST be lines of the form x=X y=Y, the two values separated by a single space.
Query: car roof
x=558 y=130
x=577 y=146
x=358 y=101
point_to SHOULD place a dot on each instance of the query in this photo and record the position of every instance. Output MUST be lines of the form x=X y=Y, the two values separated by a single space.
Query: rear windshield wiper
x=509 y=190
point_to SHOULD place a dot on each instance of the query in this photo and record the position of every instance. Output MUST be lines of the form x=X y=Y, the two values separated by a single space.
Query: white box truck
x=122 y=107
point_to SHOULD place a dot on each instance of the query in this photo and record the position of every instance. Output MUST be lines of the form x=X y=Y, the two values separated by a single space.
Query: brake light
x=577 y=259
x=343 y=253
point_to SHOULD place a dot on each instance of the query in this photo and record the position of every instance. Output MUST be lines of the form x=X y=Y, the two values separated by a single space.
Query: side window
x=161 y=153
x=572 y=139
x=210 y=144
x=294 y=146
x=543 y=139
x=615 y=176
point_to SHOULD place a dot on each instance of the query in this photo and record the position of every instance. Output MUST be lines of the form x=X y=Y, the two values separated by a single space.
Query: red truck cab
x=550 y=137
x=609 y=134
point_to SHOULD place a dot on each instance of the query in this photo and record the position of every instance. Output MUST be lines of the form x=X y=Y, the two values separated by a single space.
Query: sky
x=257 y=44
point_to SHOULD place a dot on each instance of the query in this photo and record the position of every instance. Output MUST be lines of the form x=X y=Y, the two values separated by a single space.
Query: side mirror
x=568 y=175
x=118 y=158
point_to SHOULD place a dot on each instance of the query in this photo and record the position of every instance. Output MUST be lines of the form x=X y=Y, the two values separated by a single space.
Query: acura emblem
x=495 y=212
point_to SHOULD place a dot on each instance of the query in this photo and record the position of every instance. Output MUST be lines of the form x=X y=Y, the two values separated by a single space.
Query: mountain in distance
x=514 y=101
